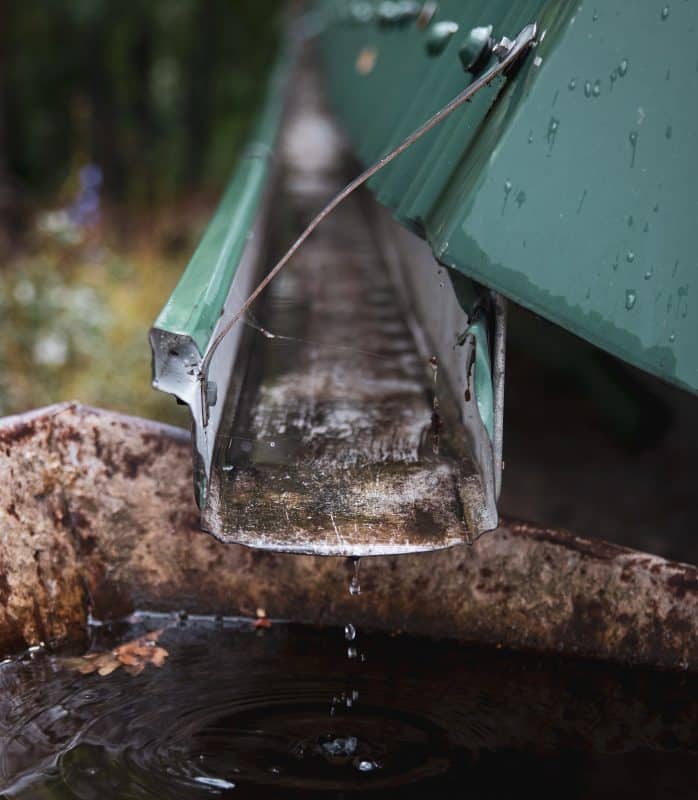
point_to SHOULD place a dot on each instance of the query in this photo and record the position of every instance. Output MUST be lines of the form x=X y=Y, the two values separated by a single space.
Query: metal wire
x=523 y=41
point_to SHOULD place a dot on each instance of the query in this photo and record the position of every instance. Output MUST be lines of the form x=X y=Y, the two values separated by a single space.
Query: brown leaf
x=108 y=667
x=134 y=656
x=134 y=651
x=128 y=659
x=159 y=656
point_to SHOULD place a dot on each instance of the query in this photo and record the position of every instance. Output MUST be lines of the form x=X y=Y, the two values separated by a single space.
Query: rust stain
x=17 y=432
x=594 y=548
x=685 y=582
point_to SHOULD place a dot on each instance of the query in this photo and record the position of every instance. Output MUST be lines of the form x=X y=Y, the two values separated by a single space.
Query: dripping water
x=354 y=585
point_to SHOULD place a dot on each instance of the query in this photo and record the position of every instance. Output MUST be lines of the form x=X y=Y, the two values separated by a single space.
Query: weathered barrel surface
x=96 y=512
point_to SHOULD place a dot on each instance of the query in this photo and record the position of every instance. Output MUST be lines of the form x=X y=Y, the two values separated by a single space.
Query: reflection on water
x=242 y=711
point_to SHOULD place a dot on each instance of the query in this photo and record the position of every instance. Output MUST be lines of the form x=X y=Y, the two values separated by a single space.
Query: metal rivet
x=439 y=36
x=476 y=49
x=361 y=12
x=395 y=13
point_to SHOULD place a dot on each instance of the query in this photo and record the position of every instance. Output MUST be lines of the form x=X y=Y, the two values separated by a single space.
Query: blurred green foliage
x=158 y=93
x=76 y=311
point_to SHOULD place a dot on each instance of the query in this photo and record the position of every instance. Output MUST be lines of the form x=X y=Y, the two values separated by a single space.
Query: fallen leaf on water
x=133 y=656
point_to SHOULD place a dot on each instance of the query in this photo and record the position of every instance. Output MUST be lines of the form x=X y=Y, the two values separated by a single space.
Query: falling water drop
x=672 y=338
x=349 y=632
x=596 y=91
x=630 y=257
x=587 y=88
x=623 y=67
x=367 y=766
x=630 y=299
x=572 y=85
x=355 y=586
x=648 y=274
x=665 y=12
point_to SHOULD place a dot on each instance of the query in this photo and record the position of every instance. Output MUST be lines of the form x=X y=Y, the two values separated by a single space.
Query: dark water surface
x=296 y=712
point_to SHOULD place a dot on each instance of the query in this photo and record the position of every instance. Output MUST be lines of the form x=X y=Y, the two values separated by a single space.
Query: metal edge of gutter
x=219 y=277
x=473 y=362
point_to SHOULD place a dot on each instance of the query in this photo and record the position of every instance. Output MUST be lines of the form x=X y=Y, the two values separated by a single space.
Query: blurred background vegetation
x=120 y=122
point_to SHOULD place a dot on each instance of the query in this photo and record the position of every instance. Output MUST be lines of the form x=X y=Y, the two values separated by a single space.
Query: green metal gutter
x=216 y=281
x=569 y=187
x=195 y=306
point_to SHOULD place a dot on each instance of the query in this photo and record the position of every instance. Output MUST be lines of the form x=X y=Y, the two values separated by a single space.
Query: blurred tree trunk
x=7 y=193
x=142 y=107
x=106 y=145
x=200 y=79
x=4 y=174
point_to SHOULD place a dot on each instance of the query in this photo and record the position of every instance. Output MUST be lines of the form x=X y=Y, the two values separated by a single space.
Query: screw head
x=361 y=12
x=396 y=12
x=439 y=36
x=476 y=48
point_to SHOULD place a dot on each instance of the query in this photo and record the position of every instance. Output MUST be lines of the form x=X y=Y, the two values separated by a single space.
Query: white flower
x=51 y=350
